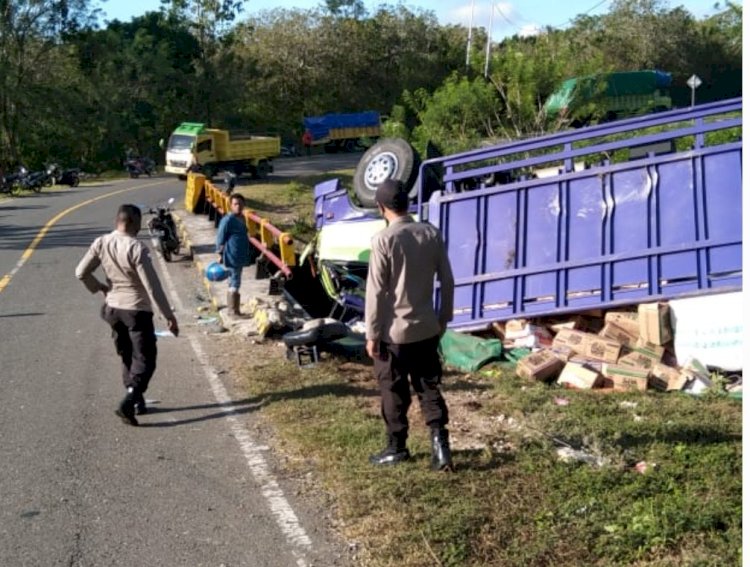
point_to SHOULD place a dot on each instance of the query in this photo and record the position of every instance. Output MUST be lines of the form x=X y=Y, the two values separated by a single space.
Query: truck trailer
x=342 y=132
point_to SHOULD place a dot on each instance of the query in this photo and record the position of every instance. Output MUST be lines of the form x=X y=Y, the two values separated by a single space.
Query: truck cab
x=185 y=147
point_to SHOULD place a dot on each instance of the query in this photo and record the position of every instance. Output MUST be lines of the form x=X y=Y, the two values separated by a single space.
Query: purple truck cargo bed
x=663 y=221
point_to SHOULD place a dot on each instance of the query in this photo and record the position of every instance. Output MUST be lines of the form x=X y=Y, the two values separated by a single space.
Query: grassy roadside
x=667 y=489
x=512 y=501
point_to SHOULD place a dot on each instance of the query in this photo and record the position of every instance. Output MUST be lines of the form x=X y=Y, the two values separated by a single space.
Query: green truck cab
x=610 y=96
x=193 y=146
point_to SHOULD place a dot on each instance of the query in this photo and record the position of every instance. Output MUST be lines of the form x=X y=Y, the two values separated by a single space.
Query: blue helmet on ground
x=215 y=272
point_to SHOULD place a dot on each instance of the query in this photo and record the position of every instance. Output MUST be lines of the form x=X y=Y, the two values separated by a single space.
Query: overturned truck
x=622 y=213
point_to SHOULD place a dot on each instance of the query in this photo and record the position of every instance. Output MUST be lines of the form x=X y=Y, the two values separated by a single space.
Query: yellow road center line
x=45 y=229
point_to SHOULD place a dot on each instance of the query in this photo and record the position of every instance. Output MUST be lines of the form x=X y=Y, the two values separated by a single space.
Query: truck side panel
x=253 y=147
x=656 y=227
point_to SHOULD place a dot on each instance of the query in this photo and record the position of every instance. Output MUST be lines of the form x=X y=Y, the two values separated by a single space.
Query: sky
x=511 y=16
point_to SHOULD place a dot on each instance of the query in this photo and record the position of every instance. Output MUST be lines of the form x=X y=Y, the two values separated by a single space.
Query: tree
x=210 y=21
x=346 y=8
x=30 y=32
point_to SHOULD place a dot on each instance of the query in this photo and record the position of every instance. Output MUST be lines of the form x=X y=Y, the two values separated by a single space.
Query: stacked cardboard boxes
x=631 y=352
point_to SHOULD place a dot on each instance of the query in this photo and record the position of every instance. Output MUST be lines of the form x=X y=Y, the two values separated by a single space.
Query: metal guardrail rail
x=261 y=233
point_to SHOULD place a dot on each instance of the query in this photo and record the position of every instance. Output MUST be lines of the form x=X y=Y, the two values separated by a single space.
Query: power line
x=558 y=26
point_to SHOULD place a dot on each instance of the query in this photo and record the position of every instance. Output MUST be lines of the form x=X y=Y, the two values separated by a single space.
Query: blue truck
x=615 y=214
x=342 y=132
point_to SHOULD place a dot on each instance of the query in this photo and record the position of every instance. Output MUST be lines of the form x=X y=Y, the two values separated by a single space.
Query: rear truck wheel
x=75 y=181
x=263 y=169
x=182 y=177
x=390 y=158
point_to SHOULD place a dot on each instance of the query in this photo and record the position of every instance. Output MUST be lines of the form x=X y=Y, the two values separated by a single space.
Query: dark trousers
x=399 y=364
x=135 y=342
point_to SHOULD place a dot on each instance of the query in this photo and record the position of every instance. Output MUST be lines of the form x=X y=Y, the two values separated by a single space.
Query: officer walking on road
x=403 y=330
x=130 y=280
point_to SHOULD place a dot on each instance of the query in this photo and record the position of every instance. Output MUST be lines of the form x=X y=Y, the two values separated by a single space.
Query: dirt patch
x=473 y=425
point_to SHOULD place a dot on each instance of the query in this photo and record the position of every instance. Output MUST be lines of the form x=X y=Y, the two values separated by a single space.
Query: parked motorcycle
x=70 y=177
x=140 y=166
x=11 y=182
x=163 y=231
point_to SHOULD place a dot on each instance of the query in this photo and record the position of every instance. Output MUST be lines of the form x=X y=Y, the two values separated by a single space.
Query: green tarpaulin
x=467 y=353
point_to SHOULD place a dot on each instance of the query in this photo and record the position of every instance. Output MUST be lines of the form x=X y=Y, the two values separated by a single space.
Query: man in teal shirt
x=233 y=247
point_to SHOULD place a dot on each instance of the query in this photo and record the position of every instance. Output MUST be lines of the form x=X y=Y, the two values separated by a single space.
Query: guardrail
x=261 y=233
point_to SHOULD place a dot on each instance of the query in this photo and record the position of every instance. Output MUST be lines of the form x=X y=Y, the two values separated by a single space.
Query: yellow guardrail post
x=193 y=190
x=266 y=236
x=286 y=249
x=252 y=227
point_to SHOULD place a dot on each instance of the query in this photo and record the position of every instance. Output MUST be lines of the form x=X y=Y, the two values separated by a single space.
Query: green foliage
x=79 y=93
x=457 y=115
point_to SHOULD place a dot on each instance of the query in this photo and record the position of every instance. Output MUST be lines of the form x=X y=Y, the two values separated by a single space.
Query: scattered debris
x=568 y=454
x=643 y=467
x=561 y=401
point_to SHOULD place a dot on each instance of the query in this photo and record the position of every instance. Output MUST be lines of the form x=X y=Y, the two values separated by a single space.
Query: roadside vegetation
x=112 y=86
x=664 y=486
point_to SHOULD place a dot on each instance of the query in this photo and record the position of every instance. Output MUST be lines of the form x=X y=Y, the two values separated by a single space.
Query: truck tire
x=390 y=158
x=263 y=169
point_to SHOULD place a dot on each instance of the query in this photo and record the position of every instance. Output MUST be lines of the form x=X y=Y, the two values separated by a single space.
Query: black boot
x=441 y=451
x=126 y=410
x=396 y=452
x=140 y=403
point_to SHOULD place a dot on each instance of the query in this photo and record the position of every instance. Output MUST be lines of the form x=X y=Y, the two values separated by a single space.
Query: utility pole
x=468 y=41
x=489 y=41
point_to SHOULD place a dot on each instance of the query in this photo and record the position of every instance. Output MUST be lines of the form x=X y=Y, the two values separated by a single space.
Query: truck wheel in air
x=390 y=158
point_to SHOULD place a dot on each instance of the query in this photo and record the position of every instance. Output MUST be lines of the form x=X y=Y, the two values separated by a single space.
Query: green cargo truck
x=194 y=147
x=610 y=96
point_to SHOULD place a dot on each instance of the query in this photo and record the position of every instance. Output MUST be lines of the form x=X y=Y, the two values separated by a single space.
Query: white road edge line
x=282 y=511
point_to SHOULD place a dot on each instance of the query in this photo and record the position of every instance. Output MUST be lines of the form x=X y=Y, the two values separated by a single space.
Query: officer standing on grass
x=131 y=280
x=403 y=330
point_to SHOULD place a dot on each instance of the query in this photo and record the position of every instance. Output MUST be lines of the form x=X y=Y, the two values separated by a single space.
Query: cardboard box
x=654 y=323
x=564 y=353
x=626 y=320
x=625 y=378
x=576 y=376
x=588 y=345
x=575 y=323
x=642 y=355
x=636 y=360
x=602 y=349
x=614 y=332
x=574 y=340
x=499 y=330
x=516 y=329
x=542 y=366
x=537 y=337
x=665 y=378
x=589 y=363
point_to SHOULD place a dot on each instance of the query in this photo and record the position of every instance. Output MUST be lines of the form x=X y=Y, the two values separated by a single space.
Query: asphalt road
x=191 y=486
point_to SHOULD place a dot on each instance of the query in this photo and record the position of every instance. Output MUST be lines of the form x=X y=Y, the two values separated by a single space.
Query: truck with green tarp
x=610 y=95
x=195 y=147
